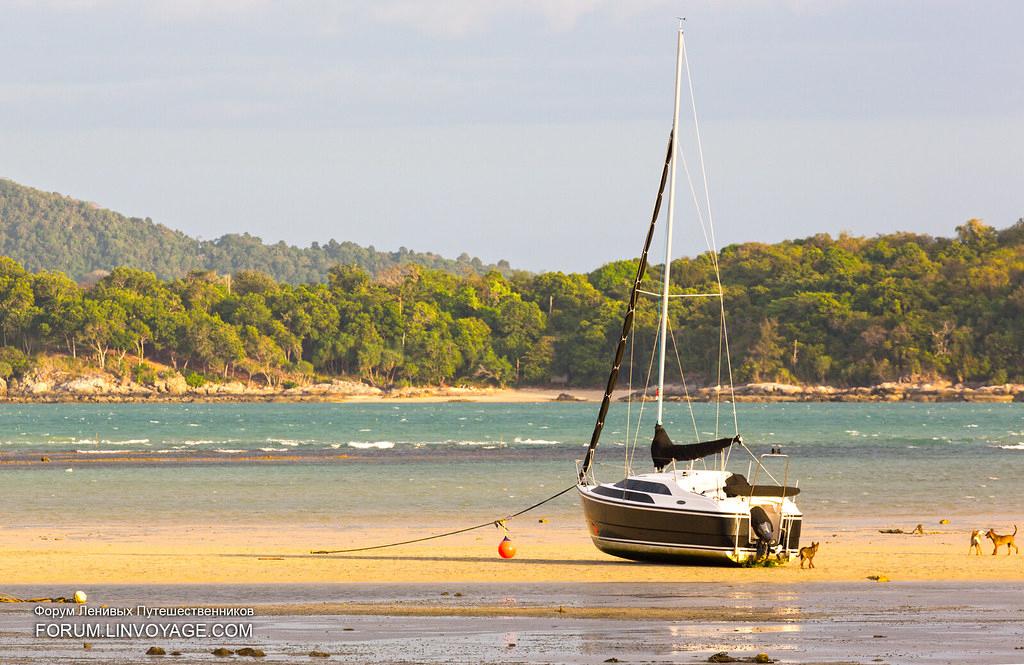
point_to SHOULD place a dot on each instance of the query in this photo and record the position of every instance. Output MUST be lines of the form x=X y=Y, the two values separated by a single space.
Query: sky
x=523 y=130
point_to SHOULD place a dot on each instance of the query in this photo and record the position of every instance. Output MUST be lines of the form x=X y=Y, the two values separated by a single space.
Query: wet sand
x=924 y=622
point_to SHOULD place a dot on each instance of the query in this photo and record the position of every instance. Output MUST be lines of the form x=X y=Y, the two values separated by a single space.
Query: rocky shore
x=99 y=386
x=937 y=391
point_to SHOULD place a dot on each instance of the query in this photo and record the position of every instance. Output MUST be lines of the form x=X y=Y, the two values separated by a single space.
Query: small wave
x=381 y=445
x=366 y=429
x=285 y=442
x=108 y=442
x=274 y=450
x=535 y=441
x=105 y=452
x=229 y=451
x=1016 y=446
x=200 y=442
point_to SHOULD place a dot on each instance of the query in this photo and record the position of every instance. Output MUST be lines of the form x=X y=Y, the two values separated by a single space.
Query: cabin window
x=623 y=494
x=643 y=486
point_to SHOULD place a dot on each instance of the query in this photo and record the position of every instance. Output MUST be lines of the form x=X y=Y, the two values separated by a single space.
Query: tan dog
x=999 y=541
x=975 y=543
x=807 y=553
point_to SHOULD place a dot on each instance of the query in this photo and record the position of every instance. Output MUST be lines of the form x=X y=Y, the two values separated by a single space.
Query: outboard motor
x=762 y=526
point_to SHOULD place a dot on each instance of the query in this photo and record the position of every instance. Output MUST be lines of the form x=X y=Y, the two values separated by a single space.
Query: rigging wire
x=499 y=523
x=711 y=228
x=686 y=391
x=629 y=395
x=643 y=404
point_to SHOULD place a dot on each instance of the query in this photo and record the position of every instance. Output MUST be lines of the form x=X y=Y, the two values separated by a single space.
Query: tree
x=764 y=361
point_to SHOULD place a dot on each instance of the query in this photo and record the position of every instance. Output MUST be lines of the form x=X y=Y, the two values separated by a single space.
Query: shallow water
x=361 y=465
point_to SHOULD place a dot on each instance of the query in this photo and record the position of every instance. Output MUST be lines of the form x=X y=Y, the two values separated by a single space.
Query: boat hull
x=648 y=533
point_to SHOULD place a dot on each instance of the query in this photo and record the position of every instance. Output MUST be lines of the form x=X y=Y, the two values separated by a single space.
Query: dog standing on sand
x=999 y=541
x=808 y=554
x=975 y=543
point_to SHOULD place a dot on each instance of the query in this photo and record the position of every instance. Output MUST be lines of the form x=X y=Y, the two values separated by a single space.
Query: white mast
x=663 y=334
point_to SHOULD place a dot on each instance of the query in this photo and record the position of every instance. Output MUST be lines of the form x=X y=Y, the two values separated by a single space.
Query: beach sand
x=559 y=600
x=236 y=554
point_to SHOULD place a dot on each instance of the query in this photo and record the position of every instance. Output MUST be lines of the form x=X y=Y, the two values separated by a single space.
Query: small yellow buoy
x=81 y=598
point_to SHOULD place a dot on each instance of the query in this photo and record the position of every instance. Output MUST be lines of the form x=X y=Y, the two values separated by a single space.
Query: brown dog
x=999 y=541
x=975 y=543
x=807 y=553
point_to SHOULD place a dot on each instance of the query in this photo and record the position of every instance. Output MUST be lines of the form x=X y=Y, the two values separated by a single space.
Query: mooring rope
x=499 y=523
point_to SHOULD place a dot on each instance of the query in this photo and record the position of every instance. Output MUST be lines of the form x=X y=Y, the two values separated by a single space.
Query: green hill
x=48 y=231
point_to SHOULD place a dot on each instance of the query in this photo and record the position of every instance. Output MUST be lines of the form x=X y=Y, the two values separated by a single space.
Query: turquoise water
x=358 y=465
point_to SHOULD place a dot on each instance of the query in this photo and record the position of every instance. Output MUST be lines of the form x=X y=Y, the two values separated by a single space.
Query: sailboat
x=690 y=508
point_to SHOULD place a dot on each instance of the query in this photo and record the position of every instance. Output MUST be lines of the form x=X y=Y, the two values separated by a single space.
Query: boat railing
x=587 y=477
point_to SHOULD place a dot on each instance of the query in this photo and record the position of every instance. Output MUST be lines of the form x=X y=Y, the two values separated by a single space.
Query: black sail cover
x=663 y=451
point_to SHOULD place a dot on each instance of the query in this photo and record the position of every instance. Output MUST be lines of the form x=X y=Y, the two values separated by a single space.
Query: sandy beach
x=208 y=554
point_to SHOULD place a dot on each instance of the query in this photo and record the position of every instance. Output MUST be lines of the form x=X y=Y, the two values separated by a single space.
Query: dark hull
x=645 y=533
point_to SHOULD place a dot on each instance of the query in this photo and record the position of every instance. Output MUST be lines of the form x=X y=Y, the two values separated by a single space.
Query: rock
x=250 y=651
x=763 y=658
x=722 y=657
x=44 y=458
x=342 y=388
x=319 y=654
x=566 y=397
x=878 y=578
x=221 y=652
x=174 y=384
x=156 y=651
x=613 y=660
x=36 y=387
x=231 y=388
x=98 y=385
x=769 y=389
x=87 y=646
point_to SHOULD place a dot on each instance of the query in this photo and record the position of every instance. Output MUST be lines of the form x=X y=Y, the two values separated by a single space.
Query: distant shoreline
x=351 y=392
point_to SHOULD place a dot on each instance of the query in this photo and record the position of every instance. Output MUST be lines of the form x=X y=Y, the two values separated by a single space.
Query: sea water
x=355 y=465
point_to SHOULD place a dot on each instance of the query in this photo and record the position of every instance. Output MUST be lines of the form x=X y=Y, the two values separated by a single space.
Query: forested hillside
x=846 y=311
x=47 y=231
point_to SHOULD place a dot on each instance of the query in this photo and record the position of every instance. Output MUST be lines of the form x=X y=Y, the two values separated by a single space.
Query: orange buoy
x=506 y=550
